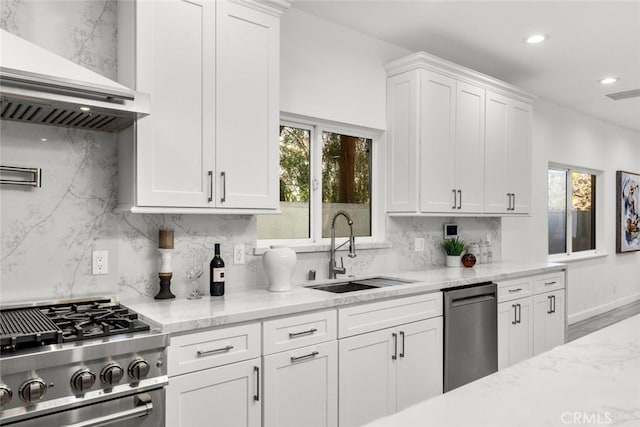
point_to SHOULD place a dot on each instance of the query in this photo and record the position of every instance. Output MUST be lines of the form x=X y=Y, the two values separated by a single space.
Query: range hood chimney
x=38 y=86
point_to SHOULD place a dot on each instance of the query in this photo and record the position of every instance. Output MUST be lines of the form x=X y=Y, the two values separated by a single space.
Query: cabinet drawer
x=379 y=315
x=548 y=282
x=292 y=332
x=512 y=289
x=217 y=347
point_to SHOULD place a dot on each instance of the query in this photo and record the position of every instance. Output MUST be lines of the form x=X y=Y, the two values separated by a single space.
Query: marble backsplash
x=48 y=234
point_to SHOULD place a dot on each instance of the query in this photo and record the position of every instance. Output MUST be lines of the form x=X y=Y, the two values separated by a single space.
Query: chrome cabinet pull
x=223 y=176
x=519 y=313
x=550 y=298
x=306 y=356
x=515 y=290
x=210 y=198
x=553 y=298
x=515 y=314
x=402 y=351
x=299 y=334
x=459 y=199
x=256 y=397
x=513 y=205
x=395 y=346
x=550 y=283
x=455 y=199
x=215 y=350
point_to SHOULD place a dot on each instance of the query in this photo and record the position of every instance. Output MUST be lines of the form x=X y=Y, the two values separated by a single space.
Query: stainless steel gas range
x=80 y=363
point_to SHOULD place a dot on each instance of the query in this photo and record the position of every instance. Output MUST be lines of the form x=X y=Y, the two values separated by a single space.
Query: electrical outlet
x=100 y=264
x=238 y=254
x=418 y=244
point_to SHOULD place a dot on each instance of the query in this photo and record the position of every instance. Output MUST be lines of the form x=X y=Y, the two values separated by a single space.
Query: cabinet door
x=301 y=387
x=402 y=142
x=367 y=378
x=226 y=396
x=437 y=142
x=419 y=363
x=175 y=64
x=469 y=152
x=247 y=101
x=515 y=332
x=496 y=199
x=548 y=321
x=519 y=156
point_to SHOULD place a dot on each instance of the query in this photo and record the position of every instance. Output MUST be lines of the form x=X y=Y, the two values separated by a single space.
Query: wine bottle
x=216 y=276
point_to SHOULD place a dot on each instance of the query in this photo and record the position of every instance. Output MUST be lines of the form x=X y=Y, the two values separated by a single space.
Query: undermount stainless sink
x=358 y=285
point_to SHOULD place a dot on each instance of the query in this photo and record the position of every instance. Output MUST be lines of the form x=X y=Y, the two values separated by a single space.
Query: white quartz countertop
x=594 y=380
x=182 y=315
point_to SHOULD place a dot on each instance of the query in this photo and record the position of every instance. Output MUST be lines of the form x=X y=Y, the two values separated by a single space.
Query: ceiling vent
x=624 y=95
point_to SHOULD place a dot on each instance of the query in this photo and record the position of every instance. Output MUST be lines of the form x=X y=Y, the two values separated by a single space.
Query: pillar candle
x=165 y=241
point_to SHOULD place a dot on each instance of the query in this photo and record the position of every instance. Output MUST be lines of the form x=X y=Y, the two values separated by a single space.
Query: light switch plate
x=418 y=244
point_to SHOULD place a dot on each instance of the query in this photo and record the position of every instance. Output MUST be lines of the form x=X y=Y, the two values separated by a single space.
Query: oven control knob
x=138 y=369
x=5 y=395
x=112 y=374
x=32 y=390
x=82 y=380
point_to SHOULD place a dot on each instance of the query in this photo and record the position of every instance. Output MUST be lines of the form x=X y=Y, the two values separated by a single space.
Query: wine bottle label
x=218 y=274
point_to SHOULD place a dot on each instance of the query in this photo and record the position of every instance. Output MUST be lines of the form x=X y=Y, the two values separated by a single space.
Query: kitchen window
x=324 y=168
x=572 y=210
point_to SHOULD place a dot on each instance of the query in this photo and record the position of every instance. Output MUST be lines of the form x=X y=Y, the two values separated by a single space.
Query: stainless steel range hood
x=38 y=86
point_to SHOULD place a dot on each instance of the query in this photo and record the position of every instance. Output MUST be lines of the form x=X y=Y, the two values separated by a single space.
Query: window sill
x=577 y=256
x=325 y=248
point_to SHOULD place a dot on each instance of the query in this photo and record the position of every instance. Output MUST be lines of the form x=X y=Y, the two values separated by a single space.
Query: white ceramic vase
x=279 y=263
x=453 y=261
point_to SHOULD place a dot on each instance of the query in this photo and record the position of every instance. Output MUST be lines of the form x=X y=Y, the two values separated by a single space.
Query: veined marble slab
x=594 y=380
x=183 y=315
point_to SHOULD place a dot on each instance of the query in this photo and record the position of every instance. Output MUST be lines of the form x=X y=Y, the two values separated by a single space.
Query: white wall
x=333 y=73
x=564 y=136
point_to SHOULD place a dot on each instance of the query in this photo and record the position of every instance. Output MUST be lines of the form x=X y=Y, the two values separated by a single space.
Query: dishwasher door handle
x=472 y=300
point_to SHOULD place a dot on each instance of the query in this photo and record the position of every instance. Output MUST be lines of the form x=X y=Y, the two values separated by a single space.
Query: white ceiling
x=588 y=41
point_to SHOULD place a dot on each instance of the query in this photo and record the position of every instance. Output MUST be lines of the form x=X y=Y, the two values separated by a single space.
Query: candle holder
x=165 y=275
x=165 y=243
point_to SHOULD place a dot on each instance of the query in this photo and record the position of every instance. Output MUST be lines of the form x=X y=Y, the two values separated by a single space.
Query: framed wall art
x=627 y=212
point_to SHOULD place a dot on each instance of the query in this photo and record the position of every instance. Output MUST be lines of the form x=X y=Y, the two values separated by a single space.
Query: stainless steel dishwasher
x=470 y=333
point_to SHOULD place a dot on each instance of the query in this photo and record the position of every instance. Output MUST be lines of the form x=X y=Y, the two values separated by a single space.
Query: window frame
x=317 y=127
x=570 y=254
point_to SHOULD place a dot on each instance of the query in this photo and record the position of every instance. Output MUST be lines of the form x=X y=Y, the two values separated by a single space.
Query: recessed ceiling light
x=536 y=38
x=609 y=80
x=85 y=108
x=43 y=139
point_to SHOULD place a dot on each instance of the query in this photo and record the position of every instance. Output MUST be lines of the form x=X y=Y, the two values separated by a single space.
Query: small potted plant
x=453 y=247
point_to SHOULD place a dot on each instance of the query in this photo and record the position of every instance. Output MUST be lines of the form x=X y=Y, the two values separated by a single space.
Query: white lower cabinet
x=300 y=387
x=215 y=378
x=548 y=321
x=227 y=396
x=531 y=316
x=384 y=371
x=515 y=341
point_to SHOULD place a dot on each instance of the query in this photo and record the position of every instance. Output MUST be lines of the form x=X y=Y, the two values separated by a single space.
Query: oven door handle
x=143 y=407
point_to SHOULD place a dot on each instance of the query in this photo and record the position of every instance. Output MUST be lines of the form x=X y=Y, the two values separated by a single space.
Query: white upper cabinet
x=507 y=155
x=457 y=140
x=247 y=114
x=211 y=142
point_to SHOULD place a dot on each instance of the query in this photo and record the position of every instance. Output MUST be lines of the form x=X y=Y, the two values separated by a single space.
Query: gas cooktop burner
x=60 y=323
